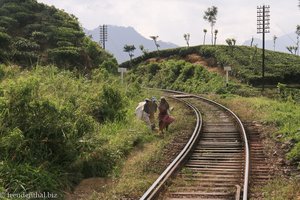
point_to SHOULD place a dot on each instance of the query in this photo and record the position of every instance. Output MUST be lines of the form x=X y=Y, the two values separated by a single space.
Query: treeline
x=31 y=32
x=245 y=62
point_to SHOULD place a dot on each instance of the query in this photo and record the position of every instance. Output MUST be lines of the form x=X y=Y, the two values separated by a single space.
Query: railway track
x=214 y=164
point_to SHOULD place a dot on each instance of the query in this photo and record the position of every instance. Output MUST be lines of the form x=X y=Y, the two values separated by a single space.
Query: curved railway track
x=214 y=164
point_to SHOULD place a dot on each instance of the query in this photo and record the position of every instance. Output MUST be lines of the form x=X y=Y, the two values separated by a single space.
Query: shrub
x=109 y=105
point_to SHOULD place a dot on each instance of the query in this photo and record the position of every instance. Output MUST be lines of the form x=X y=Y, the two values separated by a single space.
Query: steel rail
x=161 y=180
x=247 y=149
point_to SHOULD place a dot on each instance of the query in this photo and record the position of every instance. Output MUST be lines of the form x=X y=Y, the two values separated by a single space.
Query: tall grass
x=57 y=127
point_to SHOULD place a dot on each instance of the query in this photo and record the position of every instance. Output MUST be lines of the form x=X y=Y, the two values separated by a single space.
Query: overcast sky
x=170 y=19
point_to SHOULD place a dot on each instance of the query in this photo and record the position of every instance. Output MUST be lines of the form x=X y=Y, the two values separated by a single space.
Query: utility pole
x=103 y=35
x=263 y=26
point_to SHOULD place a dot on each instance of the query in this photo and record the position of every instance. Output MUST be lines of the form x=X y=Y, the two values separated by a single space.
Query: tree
x=298 y=35
x=274 y=41
x=216 y=32
x=251 y=43
x=129 y=49
x=205 y=31
x=187 y=38
x=142 y=48
x=231 y=43
x=292 y=49
x=154 y=38
x=210 y=15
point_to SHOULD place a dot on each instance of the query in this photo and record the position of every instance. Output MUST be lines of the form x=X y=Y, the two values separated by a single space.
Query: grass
x=284 y=115
x=147 y=161
x=54 y=129
x=282 y=189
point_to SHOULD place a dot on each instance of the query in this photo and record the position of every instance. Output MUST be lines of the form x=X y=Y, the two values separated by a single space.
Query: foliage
x=245 y=62
x=32 y=32
x=283 y=114
x=210 y=15
x=180 y=75
x=110 y=105
x=281 y=188
x=129 y=49
x=49 y=132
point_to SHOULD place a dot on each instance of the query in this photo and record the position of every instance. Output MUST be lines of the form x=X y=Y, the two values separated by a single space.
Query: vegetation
x=283 y=114
x=215 y=38
x=32 y=33
x=205 y=31
x=245 y=62
x=154 y=38
x=146 y=163
x=282 y=111
x=129 y=49
x=58 y=127
x=183 y=76
x=281 y=189
x=210 y=15
x=186 y=37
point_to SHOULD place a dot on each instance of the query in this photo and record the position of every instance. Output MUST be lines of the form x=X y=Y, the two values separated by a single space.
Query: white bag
x=139 y=110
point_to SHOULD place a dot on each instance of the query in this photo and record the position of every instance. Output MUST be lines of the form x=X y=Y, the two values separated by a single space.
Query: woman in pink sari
x=164 y=119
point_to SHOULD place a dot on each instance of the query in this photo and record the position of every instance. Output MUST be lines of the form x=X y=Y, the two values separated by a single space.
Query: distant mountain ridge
x=118 y=36
x=280 y=45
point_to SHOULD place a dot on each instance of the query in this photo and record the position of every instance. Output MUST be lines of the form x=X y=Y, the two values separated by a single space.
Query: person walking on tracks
x=146 y=113
x=164 y=119
x=152 y=111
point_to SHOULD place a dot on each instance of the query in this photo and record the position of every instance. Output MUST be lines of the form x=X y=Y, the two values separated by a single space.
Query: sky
x=171 y=19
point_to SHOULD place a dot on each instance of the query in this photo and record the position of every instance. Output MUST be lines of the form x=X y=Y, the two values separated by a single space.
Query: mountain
x=118 y=36
x=281 y=42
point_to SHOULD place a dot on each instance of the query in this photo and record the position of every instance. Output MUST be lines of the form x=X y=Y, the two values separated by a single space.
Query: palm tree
x=216 y=32
x=274 y=41
x=298 y=35
x=205 y=31
x=211 y=16
x=154 y=38
x=129 y=49
x=187 y=38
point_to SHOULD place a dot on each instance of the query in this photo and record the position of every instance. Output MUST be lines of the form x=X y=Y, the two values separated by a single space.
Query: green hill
x=32 y=32
x=245 y=62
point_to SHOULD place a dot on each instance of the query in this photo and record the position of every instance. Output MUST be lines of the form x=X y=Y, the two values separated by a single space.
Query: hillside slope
x=31 y=32
x=245 y=62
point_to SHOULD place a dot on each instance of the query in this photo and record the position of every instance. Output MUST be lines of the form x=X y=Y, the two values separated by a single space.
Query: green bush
x=5 y=40
x=49 y=133
x=31 y=32
x=109 y=105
